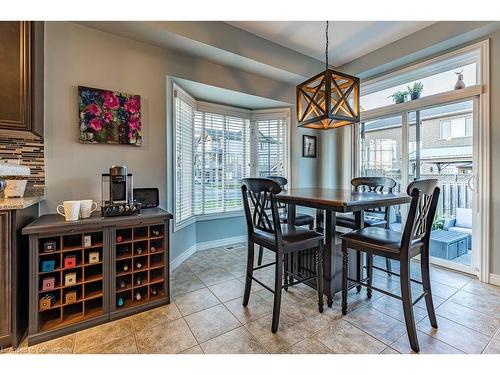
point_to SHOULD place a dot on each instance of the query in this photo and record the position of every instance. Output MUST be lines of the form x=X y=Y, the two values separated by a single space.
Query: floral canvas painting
x=109 y=117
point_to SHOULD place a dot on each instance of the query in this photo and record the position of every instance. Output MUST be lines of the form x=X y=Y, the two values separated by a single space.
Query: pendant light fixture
x=328 y=100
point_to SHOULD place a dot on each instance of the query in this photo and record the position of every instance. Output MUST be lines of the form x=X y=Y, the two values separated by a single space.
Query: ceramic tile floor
x=206 y=316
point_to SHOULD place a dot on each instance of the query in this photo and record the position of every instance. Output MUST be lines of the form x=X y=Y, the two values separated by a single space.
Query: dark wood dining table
x=327 y=203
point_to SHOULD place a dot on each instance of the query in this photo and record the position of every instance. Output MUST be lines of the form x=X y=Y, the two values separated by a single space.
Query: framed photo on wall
x=309 y=146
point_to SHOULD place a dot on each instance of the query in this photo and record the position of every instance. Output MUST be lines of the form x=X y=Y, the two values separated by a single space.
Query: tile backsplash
x=28 y=149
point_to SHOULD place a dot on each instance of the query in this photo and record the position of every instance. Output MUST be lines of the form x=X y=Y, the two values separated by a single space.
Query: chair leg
x=319 y=273
x=408 y=305
x=286 y=267
x=345 y=273
x=311 y=225
x=388 y=266
x=261 y=254
x=369 y=274
x=359 y=268
x=248 y=280
x=426 y=283
x=278 y=277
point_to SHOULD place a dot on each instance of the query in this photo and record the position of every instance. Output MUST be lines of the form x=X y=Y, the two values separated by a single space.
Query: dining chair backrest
x=425 y=195
x=376 y=185
x=282 y=182
x=259 y=202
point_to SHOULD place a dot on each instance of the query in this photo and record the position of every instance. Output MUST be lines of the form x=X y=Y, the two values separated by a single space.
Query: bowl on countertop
x=15 y=177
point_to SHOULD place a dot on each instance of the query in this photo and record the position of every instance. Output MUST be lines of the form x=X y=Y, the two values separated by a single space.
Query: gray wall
x=78 y=55
x=435 y=39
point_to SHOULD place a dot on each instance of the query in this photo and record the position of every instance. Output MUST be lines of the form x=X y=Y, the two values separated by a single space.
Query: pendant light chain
x=326 y=48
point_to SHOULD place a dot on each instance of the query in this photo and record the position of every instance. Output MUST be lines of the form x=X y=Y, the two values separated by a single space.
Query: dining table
x=328 y=203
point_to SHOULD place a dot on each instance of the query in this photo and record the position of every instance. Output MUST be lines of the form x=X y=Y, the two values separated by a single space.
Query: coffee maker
x=117 y=193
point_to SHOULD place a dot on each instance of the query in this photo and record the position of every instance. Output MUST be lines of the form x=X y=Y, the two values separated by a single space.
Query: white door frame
x=481 y=153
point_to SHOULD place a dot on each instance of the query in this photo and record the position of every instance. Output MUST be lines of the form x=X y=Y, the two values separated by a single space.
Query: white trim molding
x=174 y=263
x=494 y=279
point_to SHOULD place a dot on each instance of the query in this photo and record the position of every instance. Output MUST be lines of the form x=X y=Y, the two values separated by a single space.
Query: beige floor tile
x=257 y=308
x=172 y=337
x=308 y=346
x=228 y=290
x=343 y=338
x=488 y=304
x=470 y=318
x=493 y=347
x=61 y=345
x=212 y=322
x=214 y=275
x=102 y=334
x=394 y=308
x=237 y=341
x=185 y=284
x=124 y=345
x=390 y=350
x=158 y=316
x=456 y=335
x=194 y=350
x=289 y=333
x=377 y=324
x=428 y=345
x=447 y=277
x=482 y=289
x=198 y=300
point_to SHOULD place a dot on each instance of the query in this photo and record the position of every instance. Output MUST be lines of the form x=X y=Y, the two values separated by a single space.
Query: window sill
x=207 y=217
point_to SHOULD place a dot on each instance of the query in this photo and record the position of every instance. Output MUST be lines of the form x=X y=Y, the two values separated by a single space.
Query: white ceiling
x=348 y=40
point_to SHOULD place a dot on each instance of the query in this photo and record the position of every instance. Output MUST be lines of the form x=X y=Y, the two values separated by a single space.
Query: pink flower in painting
x=94 y=109
x=95 y=124
x=134 y=123
x=108 y=117
x=110 y=100
x=133 y=105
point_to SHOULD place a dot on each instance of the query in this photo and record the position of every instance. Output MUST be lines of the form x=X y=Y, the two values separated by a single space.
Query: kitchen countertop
x=19 y=203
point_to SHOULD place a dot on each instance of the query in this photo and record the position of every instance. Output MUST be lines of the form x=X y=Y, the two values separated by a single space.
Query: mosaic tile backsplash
x=28 y=148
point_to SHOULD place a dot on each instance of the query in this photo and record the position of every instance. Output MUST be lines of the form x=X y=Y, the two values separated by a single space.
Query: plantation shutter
x=271 y=147
x=184 y=136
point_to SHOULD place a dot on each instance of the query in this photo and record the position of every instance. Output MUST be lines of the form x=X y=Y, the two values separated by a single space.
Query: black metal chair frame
x=261 y=193
x=414 y=241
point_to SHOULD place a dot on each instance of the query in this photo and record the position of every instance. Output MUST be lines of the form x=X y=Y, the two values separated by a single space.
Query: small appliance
x=117 y=193
x=147 y=197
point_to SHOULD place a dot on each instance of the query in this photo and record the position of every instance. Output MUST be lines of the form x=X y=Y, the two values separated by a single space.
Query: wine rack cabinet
x=94 y=270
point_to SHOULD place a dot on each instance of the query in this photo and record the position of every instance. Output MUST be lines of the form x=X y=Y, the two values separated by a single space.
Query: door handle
x=469 y=183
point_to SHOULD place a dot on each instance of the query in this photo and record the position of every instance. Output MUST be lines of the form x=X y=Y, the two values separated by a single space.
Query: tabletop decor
x=109 y=117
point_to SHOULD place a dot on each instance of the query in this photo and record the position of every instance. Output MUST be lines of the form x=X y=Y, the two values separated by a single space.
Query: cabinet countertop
x=19 y=203
x=55 y=221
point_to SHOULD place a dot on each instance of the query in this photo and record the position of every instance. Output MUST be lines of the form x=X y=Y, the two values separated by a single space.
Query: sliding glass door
x=431 y=142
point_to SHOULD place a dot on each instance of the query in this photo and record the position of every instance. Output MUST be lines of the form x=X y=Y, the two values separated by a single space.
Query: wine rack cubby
x=92 y=271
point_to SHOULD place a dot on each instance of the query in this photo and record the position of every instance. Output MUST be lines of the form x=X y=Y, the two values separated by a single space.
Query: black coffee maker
x=117 y=193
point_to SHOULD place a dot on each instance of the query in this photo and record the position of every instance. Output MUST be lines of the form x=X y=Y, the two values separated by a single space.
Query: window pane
x=271 y=147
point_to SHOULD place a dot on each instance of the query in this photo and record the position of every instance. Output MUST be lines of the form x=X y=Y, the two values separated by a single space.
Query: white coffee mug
x=71 y=210
x=87 y=207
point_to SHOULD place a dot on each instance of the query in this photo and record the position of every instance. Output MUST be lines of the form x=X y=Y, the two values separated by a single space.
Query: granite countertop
x=19 y=203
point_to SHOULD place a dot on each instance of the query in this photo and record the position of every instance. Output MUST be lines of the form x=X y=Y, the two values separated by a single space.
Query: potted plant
x=415 y=90
x=399 y=96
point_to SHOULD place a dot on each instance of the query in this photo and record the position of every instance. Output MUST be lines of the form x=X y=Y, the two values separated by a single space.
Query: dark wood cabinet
x=21 y=76
x=120 y=267
x=14 y=275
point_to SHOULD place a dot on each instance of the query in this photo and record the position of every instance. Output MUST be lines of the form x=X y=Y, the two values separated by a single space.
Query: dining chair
x=402 y=247
x=265 y=229
x=377 y=217
x=300 y=219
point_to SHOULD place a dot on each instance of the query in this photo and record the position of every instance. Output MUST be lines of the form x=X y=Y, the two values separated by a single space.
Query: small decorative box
x=70 y=261
x=48 y=283
x=48 y=265
x=94 y=257
x=70 y=297
x=87 y=241
x=70 y=279
x=46 y=302
x=49 y=246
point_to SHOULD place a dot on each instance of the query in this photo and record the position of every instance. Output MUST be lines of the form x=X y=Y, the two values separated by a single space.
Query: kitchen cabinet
x=14 y=275
x=21 y=76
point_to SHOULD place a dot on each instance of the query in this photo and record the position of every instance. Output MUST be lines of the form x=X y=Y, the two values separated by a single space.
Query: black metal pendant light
x=328 y=100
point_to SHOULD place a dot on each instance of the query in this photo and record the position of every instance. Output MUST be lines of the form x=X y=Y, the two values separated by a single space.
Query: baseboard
x=222 y=242
x=494 y=279
x=182 y=257
x=204 y=246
